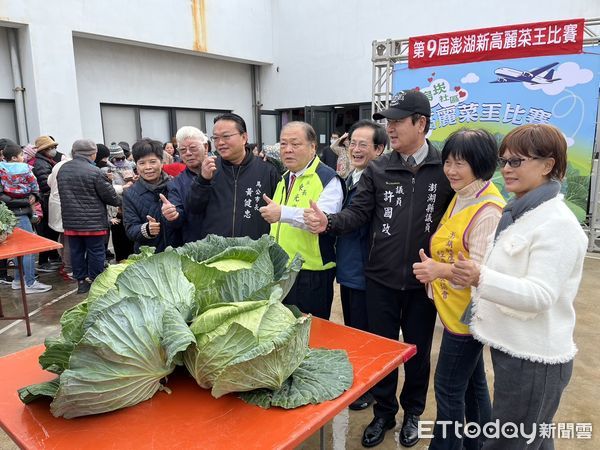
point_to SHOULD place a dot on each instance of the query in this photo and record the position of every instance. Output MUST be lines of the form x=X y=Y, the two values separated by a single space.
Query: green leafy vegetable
x=35 y=391
x=323 y=375
x=121 y=358
x=117 y=346
x=237 y=269
x=245 y=346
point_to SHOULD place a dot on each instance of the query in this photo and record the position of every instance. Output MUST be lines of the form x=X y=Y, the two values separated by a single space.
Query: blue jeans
x=461 y=391
x=28 y=260
x=87 y=256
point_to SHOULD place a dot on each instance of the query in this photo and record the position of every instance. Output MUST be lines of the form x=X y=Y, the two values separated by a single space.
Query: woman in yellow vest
x=470 y=159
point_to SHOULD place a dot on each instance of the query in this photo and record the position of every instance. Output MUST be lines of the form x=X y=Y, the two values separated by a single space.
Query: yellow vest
x=307 y=186
x=447 y=241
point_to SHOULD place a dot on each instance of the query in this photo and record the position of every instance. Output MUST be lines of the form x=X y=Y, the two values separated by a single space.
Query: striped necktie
x=292 y=180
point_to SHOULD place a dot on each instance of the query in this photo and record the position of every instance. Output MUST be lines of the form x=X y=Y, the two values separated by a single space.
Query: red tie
x=292 y=180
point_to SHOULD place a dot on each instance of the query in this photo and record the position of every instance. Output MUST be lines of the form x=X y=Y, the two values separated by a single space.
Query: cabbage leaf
x=121 y=358
x=323 y=375
x=245 y=346
x=237 y=269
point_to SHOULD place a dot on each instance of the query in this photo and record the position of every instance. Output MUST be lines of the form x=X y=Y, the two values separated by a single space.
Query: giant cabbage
x=214 y=305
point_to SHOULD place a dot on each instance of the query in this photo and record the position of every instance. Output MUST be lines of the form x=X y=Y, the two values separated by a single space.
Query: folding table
x=17 y=245
x=190 y=417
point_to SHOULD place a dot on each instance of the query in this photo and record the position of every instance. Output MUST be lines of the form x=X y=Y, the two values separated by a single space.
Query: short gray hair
x=189 y=132
x=84 y=147
x=309 y=131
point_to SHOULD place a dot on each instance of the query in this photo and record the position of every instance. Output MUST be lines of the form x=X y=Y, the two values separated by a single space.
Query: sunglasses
x=120 y=159
x=513 y=162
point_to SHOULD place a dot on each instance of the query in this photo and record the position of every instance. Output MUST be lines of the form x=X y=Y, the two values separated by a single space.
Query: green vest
x=308 y=186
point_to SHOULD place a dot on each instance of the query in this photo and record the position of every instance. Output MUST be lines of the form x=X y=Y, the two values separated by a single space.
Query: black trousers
x=44 y=230
x=122 y=245
x=312 y=292
x=390 y=310
x=354 y=307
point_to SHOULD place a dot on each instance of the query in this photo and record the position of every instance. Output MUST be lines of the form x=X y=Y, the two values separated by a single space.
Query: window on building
x=210 y=121
x=8 y=121
x=131 y=123
x=190 y=117
x=269 y=123
x=155 y=124
x=120 y=123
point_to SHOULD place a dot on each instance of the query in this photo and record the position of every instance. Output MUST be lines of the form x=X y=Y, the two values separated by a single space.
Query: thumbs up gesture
x=153 y=226
x=168 y=209
x=427 y=270
x=315 y=219
x=271 y=212
x=465 y=272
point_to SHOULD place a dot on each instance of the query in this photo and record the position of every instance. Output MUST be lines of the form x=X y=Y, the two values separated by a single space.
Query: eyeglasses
x=189 y=148
x=514 y=162
x=225 y=137
x=121 y=158
x=361 y=145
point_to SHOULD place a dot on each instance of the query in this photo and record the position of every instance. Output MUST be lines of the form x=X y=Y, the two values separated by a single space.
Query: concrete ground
x=579 y=404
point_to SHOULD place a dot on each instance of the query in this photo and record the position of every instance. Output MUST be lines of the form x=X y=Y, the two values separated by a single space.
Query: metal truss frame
x=391 y=51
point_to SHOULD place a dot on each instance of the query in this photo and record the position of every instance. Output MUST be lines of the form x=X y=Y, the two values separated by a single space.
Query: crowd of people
x=410 y=235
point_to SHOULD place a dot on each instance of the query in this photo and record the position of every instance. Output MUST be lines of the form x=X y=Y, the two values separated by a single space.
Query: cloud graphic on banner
x=570 y=140
x=469 y=78
x=569 y=74
x=441 y=93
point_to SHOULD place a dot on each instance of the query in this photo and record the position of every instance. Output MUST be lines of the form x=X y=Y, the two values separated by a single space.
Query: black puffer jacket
x=403 y=209
x=84 y=193
x=42 y=170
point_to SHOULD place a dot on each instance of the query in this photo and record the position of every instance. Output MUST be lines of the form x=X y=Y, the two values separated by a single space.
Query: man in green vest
x=306 y=179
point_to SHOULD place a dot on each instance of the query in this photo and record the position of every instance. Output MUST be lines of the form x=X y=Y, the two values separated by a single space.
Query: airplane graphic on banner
x=534 y=76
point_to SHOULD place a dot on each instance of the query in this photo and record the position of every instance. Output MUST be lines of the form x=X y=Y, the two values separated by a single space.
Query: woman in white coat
x=523 y=291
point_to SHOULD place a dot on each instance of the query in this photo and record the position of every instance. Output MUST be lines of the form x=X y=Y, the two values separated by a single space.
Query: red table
x=190 y=417
x=17 y=245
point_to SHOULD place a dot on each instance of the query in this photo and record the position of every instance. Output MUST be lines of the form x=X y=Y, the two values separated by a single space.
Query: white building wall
x=312 y=52
x=235 y=29
x=209 y=30
x=323 y=48
x=124 y=74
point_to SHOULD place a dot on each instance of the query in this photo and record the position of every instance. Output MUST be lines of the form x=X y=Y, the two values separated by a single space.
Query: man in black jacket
x=228 y=191
x=84 y=193
x=403 y=195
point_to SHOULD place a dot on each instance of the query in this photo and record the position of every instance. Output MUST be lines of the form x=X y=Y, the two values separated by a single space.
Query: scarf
x=159 y=187
x=514 y=209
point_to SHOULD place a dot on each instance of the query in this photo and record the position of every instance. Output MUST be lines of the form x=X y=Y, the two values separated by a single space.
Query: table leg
x=24 y=295
x=322 y=438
